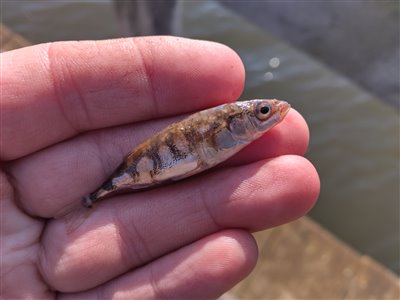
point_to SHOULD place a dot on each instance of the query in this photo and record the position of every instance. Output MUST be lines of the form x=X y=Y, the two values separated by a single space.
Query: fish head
x=265 y=114
x=257 y=117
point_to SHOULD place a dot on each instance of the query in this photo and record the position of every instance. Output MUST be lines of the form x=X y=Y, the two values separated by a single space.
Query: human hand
x=71 y=111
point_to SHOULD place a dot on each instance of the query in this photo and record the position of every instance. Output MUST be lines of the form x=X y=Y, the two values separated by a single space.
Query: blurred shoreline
x=359 y=39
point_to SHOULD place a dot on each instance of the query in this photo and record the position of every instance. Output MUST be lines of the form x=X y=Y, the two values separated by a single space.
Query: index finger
x=53 y=91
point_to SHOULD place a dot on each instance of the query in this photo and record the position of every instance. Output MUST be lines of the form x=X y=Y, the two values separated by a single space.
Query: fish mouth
x=283 y=108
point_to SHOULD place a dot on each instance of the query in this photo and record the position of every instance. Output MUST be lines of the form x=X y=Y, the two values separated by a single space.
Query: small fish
x=192 y=145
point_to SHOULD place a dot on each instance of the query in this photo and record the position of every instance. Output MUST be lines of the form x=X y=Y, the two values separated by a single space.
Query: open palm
x=71 y=111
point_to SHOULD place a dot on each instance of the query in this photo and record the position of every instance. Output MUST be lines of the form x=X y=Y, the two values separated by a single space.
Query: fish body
x=195 y=144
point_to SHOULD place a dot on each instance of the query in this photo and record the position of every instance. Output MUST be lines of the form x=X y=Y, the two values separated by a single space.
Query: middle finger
x=129 y=231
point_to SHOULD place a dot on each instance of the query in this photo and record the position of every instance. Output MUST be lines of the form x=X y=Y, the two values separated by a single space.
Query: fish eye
x=263 y=111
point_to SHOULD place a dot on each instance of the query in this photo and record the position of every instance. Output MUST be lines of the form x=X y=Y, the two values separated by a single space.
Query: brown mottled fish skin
x=192 y=145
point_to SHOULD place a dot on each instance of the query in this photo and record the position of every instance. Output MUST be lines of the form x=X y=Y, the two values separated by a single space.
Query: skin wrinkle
x=39 y=273
x=9 y=273
x=229 y=243
x=8 y=194
x=8 y=179
x=149 y=74
x=105 y=162
x=45 y=261
x=130 y=236
x=42 y=262
x=157 y=291
x=106 y=158
x=204 y=201
x=253 y=187
x=58 y=93
x=25 y=247
x=56 y=269
x=101 y=293
x=81 y=100
x=237 y=189
x=13 y=248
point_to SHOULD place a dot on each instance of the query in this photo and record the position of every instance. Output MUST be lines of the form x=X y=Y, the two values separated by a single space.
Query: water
x=354 y=136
